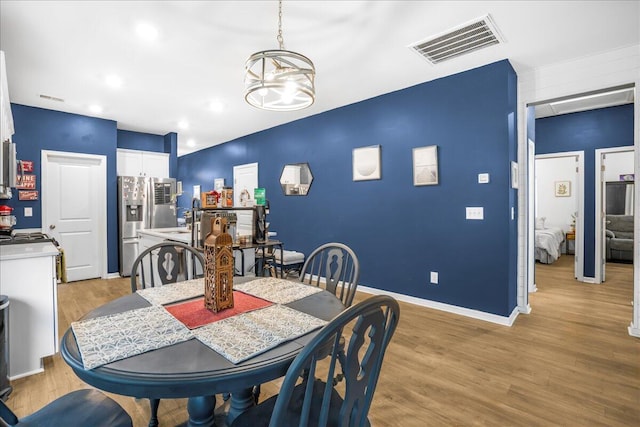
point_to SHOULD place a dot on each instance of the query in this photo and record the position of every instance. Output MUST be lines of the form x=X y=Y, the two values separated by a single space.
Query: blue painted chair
x=335 y=266
x=81 y=408
x=316 y=401
x=161 y=264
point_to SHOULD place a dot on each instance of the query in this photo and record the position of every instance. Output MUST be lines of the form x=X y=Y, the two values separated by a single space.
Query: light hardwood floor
x=570 y=362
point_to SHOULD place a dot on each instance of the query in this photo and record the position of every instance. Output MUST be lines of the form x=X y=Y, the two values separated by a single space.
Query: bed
x=548 y=241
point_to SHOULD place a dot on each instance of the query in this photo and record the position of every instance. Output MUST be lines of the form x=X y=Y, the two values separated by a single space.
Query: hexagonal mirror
x=296 y=179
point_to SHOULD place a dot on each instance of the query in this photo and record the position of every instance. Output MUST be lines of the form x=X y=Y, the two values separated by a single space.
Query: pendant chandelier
x=279 y=80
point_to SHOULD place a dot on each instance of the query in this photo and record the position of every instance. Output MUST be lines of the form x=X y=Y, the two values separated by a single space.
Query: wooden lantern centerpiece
x=218 y=269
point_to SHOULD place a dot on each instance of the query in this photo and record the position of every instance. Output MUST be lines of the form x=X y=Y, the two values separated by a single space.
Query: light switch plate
x=475 y=212
x=28 y=212
x=483 y=178
x=434 y=277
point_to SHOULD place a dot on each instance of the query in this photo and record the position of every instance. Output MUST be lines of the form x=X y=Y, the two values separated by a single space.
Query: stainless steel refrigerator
x=142 y=203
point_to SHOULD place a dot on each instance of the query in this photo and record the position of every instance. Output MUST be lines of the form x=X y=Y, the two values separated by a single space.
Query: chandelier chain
x=279 y=37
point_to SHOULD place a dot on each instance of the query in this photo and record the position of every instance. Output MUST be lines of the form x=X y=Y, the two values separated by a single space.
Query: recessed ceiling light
x=191 y=143
x=95 y=109
x=183 y=124
x=216 y=106
x=146 y=31
x=113 y=81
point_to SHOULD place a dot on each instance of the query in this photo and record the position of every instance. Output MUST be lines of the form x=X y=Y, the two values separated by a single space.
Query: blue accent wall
x=400 y=232
x=39 y=129
x=588 y=131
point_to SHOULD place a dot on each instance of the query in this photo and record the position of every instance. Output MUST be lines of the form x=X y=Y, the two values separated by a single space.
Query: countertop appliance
x=8 y=168
x=143 y=203
x=7 y=221
x=24 y=237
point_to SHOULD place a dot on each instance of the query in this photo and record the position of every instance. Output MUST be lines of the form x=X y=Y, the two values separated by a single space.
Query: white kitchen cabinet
x=28 y=278
x=6 y=118
x=142 y=163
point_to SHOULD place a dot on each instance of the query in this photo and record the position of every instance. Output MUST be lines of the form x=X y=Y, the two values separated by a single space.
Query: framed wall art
x=366 y=163
x=563 y=188
x=425 y=165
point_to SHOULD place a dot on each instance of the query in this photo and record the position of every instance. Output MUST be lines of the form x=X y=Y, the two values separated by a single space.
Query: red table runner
x=193 y=314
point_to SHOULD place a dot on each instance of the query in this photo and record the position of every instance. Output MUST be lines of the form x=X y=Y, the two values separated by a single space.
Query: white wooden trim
x=579 y=242
x=467 y=312
x=599 y=256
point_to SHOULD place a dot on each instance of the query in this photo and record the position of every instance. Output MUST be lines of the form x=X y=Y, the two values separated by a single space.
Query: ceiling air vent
x=474 y=35
x=51 y=98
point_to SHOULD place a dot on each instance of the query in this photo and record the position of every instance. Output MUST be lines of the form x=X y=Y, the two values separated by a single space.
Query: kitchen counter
x=176 y=234
x=27 y=250
x=28 y=278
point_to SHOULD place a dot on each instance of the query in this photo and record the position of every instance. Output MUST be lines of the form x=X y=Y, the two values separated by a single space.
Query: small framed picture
x=366 y=163
x=425 y=165
x=563 y=188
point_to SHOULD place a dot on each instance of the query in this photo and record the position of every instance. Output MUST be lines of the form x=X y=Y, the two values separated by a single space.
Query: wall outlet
x=28 y=211
x=434 y=277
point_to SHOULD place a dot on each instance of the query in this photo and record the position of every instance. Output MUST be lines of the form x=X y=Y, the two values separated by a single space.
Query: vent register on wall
x=143 y=203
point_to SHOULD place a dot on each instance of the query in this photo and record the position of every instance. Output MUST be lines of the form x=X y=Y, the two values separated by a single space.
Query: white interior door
x=245 y=180
x=73 y=207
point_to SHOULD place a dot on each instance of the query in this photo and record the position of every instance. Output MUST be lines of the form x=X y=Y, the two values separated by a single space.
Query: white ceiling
x=66 y=49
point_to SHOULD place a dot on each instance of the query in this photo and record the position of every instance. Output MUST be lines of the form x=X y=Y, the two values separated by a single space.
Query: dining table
x=149 y=345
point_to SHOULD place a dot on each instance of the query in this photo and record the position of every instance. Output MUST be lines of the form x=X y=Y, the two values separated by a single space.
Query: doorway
x=614 y=196
x=559 y=208
x=528 y=120
x=73 y=206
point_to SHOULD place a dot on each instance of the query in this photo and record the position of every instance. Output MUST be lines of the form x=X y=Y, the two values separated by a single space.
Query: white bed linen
x=550 y=239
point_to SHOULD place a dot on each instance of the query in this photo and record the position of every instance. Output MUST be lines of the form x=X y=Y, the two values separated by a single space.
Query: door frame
x=599 y=272
x=579 y=191
x=99 y=198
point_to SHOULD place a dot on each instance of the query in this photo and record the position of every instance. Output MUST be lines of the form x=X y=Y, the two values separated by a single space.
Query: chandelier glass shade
x=279 y=80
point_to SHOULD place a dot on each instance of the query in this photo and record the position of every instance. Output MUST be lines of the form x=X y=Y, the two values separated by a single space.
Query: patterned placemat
x=173 y=292
x=194 y=314
x=246 y=335
x=279 y=291
x=105 y=339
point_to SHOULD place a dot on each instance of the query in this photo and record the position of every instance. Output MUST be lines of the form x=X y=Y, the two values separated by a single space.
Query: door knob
x=52 y=226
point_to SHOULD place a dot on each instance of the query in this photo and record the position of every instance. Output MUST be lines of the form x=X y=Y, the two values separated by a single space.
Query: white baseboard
x=467 y=312
x=633 y=331
x=113 y=276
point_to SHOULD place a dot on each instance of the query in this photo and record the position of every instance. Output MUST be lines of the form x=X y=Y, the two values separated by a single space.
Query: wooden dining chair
x=335 y=266
x=315 y=401
x=161 y=264
x=80 y=408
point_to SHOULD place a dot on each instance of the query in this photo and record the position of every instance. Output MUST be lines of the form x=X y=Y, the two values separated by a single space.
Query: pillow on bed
x=540 y=223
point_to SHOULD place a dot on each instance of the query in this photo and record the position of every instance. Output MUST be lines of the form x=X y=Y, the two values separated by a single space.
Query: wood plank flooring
x=570 y=362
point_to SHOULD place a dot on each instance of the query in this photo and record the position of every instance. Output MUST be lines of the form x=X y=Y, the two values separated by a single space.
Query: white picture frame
x=425 y=166
x=562 y=188
x=366 y=163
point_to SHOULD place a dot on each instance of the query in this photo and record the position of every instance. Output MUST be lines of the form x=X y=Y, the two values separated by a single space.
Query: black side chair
x=81 y=408
x=336 y=265
x=315 y=401
x=161 y=264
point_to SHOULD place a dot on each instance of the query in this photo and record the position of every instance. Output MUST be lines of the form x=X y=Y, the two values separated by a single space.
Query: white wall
x=556 y=210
